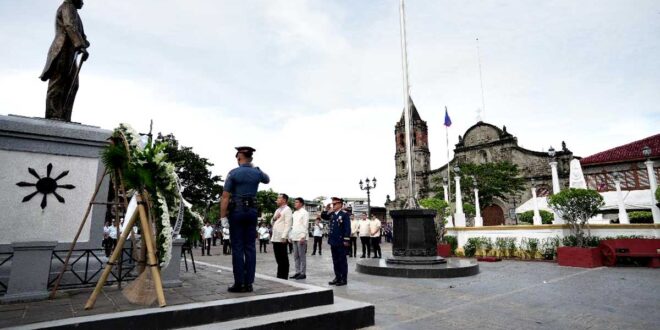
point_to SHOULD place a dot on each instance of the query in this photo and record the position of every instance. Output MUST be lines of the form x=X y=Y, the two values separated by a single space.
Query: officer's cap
x=247 y=151
x=337 y=199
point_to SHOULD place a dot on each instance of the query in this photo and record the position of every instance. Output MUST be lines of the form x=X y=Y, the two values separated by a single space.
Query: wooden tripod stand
x=151 y=255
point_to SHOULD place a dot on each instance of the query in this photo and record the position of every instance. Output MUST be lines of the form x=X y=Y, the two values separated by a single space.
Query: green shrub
x=576 y=206
x=453 y=243
x=571 y=240
x=657 y=195
x=487 y=244
x=511 y=246
x=640 y=217
x=469 y=210
x=528 y=217
x=470 y=247
x=500 y=245
x=549 y=247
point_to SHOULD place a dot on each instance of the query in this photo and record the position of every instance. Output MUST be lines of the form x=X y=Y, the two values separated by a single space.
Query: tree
x=577 y=206
x=201 y=188
x=494 y=180
x=441 y=207
x=528 y=217
x=266 y=202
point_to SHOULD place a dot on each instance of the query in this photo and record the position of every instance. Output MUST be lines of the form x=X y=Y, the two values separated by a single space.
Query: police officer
x=238 y=211
x=339 y=238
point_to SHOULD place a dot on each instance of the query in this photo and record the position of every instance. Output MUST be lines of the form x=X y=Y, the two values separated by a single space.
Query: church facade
x=481 y=143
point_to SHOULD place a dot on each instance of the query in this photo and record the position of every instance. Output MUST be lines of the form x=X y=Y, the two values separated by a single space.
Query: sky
x=316 y=86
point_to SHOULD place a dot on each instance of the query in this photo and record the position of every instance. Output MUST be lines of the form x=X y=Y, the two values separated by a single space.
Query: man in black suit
x=339 y=238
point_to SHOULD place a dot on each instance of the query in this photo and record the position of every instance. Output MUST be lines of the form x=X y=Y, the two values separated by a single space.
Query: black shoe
x=248 y=288
x=314 y=253
x=301 y=277
x=320 y=254
x=295 y=276
x=374 y=257
x=362 y=256
x=334 y=282
x=236 y=288
x=341 y=283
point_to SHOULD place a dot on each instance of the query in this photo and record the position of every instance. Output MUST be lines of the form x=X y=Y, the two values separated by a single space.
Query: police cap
x=247 y=151
x=337 y=199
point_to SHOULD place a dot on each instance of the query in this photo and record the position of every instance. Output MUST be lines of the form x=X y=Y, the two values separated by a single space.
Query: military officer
x=339 y=238
x=238 y=211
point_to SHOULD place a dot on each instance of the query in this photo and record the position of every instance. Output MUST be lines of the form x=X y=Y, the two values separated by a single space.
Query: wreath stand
x=147 y=235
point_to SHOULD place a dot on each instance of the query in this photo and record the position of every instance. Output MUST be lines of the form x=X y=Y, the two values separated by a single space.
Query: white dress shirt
x=281 y=225
x=318 y=230
x=364 y=228
x=208 y=232
x=375 y=227
x=300 y=225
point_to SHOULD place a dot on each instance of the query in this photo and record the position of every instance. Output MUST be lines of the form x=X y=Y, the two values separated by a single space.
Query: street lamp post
x=623 y=215
x=537 y=220
x=555 y=182
x=478 y=220
x=459 y=216
x=652 y=184
x=368 y=185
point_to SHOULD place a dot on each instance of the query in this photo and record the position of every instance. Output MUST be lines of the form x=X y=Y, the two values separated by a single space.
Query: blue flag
x=447 y=119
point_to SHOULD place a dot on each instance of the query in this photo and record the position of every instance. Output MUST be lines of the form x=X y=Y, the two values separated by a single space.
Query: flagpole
x=411 y=203
x=448 y=169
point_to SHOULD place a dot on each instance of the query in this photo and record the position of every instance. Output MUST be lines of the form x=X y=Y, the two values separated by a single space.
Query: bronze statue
x=61 y=67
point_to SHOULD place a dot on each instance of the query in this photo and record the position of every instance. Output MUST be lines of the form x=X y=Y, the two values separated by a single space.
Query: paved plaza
x=208 y=284
x=505 y=295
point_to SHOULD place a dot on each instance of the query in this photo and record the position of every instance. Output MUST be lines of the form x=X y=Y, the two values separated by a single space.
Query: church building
x=481 y=143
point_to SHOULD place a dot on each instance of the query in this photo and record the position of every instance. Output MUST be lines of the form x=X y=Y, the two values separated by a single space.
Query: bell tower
x=421 y=157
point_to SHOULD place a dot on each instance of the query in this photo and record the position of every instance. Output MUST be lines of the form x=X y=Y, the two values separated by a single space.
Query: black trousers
x=282 y=259
x=366 y=245
x=206 y=244
x=263 y=243
x=375 y=245
x=339 y=262
x=352 y=251
x=226 y=246
x=318 y=240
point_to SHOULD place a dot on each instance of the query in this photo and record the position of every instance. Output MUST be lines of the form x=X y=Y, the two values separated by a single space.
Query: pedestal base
x=415 y=260
x=450 y=267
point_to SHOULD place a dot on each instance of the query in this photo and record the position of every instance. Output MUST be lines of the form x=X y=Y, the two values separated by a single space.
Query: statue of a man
x=61 y=67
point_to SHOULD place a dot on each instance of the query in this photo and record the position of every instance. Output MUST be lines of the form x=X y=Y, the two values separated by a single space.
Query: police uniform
x=339 y=233
x=242 y=183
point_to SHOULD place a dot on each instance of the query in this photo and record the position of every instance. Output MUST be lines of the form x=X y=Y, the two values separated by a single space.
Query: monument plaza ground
x=504 y=295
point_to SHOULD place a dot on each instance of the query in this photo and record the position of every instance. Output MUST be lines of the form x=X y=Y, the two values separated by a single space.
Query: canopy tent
x=633 y=200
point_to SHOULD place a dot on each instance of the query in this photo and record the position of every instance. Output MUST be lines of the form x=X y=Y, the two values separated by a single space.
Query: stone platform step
x=192 y=314
x=343 y=314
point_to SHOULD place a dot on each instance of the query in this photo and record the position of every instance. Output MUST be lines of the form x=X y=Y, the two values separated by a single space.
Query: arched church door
x=493 y=215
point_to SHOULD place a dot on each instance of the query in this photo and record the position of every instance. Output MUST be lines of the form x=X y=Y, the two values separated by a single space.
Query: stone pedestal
x=414 y=233
x=30 y=265
x=170 y=274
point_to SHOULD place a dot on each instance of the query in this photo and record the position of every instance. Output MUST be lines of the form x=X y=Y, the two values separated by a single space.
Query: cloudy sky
x=315 y=86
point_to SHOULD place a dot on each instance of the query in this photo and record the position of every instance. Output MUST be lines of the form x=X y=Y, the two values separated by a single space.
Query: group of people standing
x=239 y=213
x=210 y=234
x=369 y=231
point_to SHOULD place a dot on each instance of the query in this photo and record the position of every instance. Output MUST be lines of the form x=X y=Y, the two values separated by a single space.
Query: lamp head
x=646 y=151
x=457 y=169
x=551 y=152
x=617 y=176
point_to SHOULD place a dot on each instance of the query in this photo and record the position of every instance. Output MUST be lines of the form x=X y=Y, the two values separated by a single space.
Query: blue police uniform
x=338 y=233
x=242 y=183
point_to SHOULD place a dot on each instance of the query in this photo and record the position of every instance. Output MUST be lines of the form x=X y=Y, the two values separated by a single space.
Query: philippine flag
x=447 y=119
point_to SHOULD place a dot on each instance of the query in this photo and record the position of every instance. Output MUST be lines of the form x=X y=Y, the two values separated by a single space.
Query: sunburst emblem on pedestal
x=45 y=185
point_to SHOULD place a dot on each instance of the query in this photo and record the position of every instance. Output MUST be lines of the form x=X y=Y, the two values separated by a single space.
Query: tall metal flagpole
x=412 y=201
x=481 y=81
